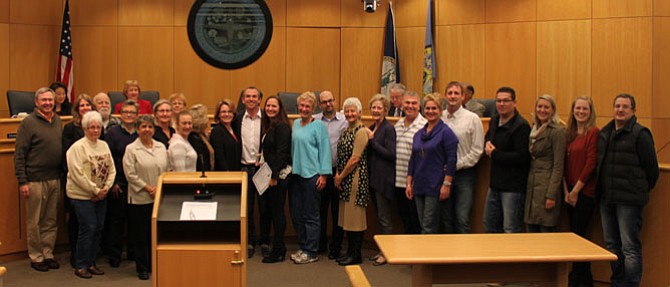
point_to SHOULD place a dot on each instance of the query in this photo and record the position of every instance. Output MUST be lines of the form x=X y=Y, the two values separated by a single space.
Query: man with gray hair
x=396 y=92
x=104 y=107
x=37 y=165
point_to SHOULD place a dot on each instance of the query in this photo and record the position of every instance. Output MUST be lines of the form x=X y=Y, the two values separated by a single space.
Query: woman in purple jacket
x=431 y=165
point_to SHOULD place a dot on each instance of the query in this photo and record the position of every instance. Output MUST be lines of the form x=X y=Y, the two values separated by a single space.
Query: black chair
x=20 y=102
x=118 y=97
x=490 y=105
x=290 y=101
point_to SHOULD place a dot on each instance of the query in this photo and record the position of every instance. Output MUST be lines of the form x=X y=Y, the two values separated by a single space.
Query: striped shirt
x=404 y=140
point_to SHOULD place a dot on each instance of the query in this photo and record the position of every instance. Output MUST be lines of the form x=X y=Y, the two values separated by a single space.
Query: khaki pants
x=41 y=218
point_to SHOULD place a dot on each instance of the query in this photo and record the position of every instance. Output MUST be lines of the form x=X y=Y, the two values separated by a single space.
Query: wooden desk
x=473 y=258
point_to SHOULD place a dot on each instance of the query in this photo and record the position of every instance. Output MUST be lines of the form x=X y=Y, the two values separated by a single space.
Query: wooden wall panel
x=96 y=59
x=460 y=12
x=278 y=11
x=12 y=230
x=33 y=52
x=4 y=68
x=661 y=8
x=361 y=71
x=146 y=54
x=621 y=8
x=409 y=13
x=460 y=56
x=563 y=10
x=510 y=54
x=43 y=12
x=661 y=133
x=212 y=83
x=146 y=12
x=352 y=14
x=269 y=72
x=564 y=65
x=622 y=61
x=661 y=68
x=100 y=12
x=411 y=42
x=310 y=13
x=511 y=10
x=4 y=11
x=312 y=57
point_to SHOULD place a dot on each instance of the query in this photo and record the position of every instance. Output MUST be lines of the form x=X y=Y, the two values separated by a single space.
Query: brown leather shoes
x=83 y=273
x=95 y=271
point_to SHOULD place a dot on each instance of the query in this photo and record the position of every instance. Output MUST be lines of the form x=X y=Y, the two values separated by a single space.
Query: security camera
x=370 y=6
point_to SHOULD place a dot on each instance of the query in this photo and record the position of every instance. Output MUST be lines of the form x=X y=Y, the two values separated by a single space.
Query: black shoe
x=277 y=255
x=114 y=263
x=72 y=261
x=40 y=266
x=265 y=250
x=351 y=260
x=251 y=249
x=52 y=264
x=342 y=257
x=143 y=275
x=332 y=255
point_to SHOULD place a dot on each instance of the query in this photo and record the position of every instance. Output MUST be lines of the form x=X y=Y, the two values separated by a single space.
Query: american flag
x=65 y=73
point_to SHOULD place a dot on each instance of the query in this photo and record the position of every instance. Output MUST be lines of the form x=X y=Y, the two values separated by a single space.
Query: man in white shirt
x=470 y=132
x=248 y=128
x=405 y=129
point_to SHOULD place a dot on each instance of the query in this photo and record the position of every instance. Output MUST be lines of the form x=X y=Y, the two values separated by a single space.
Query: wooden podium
x=199 y=252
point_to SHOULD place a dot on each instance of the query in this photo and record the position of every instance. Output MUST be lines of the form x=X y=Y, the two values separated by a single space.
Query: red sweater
x=581 y=161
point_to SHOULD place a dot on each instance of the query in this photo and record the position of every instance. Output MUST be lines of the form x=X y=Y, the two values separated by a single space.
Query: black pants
x=113 y=236
x=408 y=213
x=580 y=218
x=139 y=235
x=330 y=197
x=252 y=193
x=271 y=206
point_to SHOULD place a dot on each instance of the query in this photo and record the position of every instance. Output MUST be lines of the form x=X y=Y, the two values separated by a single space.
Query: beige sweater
x=142 y=167
x=90 y=168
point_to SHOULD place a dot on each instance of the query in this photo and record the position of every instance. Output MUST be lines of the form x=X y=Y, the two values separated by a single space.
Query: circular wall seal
x=229 y=34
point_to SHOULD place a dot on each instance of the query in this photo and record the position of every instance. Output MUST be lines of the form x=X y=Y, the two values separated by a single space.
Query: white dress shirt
x=470 y=133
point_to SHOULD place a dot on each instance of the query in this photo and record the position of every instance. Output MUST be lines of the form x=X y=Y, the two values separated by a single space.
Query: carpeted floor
x=325 y=273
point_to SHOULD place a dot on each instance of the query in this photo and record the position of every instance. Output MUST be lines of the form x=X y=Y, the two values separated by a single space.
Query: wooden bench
x=476 y=258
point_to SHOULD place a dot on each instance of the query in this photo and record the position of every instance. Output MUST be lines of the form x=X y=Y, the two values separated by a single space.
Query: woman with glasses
x=163 y=129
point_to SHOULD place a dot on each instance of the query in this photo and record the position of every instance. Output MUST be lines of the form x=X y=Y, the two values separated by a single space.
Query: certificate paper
x=262 y=178
x=194 y=211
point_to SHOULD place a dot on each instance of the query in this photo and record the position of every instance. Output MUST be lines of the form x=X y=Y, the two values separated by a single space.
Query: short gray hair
x=43 y=90
x=91 y=117
x=353 y=101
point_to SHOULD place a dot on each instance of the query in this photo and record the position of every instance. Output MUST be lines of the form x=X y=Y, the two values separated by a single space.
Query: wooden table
x=473 y=258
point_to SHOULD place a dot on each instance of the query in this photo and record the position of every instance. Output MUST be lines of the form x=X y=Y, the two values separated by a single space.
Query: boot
x=351 y=245
x=355 y=257
x=276 y=255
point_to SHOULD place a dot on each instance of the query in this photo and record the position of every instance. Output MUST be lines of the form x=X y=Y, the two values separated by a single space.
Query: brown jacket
x=545 y=176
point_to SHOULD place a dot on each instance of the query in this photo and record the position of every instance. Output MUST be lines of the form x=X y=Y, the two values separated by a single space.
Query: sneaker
x=296 y=255
x=40 y=266
x=53 y=264
x=305 y=259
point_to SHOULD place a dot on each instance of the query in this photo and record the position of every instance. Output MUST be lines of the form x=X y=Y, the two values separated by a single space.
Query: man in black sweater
x=507 y=146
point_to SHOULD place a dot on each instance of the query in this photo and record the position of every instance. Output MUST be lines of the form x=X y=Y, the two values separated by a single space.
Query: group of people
x=425 y=162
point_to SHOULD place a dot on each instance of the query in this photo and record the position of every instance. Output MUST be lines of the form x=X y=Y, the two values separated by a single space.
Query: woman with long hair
x=547 y=151
x=579 y=182
x=227 y=145
x=276 y=150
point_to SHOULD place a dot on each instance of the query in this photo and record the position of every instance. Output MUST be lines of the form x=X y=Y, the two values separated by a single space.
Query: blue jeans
x=456 y=210
x=503 y=212
x=91 y=216
x=428 y=209
x=621 y=228
x=305 y=200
